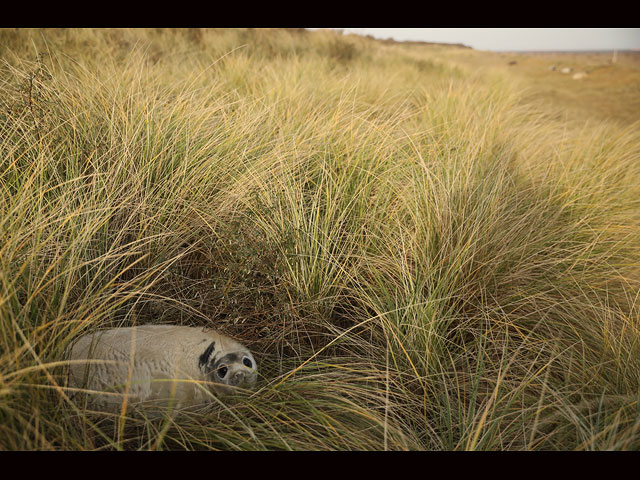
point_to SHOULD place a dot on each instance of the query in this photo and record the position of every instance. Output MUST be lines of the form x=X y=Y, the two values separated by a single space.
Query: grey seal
x=158 y=365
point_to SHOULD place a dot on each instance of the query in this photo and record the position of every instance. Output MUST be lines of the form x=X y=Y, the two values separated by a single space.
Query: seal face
x=234 y=369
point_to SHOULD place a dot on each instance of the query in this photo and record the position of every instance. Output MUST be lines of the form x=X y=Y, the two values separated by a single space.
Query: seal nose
x=237 y=378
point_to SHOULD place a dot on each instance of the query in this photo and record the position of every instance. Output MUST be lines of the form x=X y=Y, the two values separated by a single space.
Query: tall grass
x=418 y=259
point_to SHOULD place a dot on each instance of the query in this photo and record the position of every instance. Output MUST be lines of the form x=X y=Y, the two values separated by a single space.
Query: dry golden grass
x=420 y=254
x=608 y=92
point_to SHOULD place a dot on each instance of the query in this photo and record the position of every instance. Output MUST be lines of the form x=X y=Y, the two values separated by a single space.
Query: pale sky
x=510 y=39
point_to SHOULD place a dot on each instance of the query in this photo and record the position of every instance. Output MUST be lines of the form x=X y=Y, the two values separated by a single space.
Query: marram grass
x=418 y=259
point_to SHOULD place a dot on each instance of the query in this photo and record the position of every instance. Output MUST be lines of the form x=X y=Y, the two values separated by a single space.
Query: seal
x=158 y=365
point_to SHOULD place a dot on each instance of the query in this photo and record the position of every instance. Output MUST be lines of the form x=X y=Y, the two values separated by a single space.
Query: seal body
x=158 y=365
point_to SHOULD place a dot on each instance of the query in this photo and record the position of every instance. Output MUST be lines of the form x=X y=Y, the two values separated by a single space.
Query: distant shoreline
x=568 y=52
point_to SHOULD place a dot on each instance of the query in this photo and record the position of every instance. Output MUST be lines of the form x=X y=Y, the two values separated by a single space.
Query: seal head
x=228 y=369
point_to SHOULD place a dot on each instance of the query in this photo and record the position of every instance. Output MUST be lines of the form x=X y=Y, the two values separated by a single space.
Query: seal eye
x=222 y=371
x=246 y=361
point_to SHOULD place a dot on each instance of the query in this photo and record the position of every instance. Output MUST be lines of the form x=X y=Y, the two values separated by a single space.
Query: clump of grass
x=418 y=259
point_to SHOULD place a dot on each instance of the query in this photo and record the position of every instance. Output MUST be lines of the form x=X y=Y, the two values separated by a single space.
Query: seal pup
x=158 y=365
